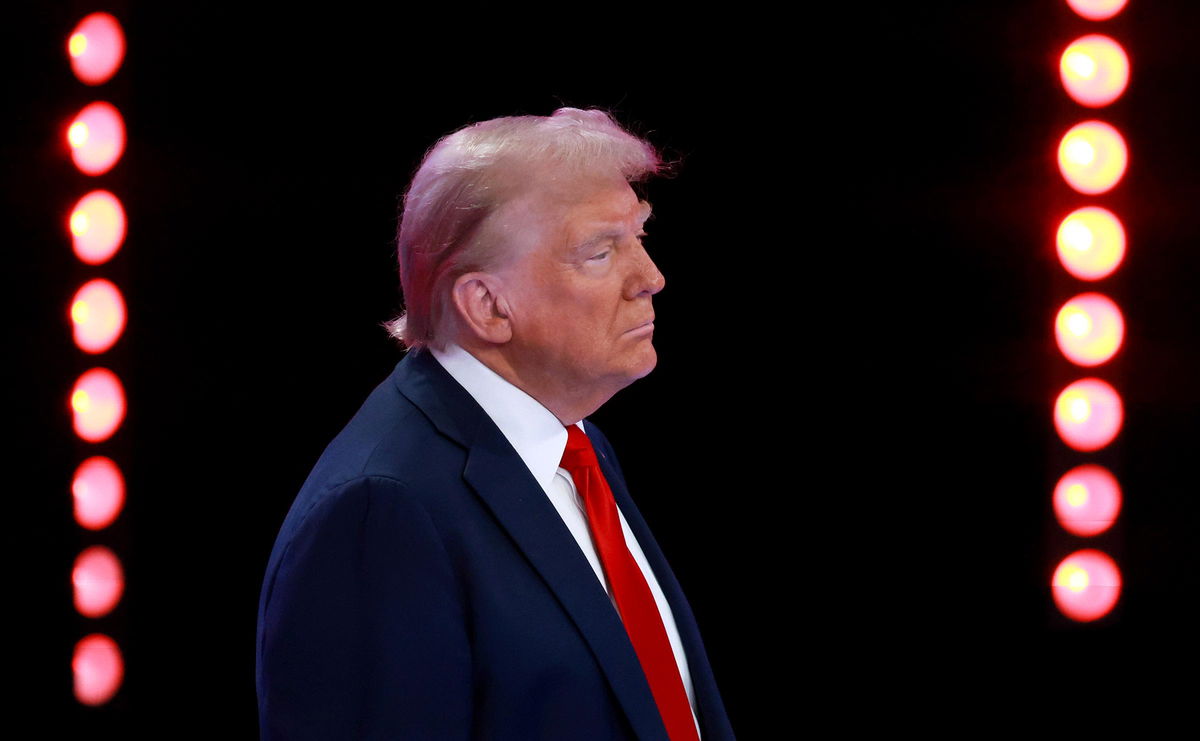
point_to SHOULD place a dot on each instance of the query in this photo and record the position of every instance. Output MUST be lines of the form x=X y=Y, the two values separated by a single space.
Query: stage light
x=1092 y=157
x=97 y=227
x=98 y=315
x=1088 y=414
x=1089 y=329
x=97 y=138
x=96 y=48
x=98 y=403
x=1094 y=70
x=98 y=581
x=1091 y=243
x=1086 y=585
x=98 y=669
x=99 y=493
x=1087 y=500
x=1097 y=10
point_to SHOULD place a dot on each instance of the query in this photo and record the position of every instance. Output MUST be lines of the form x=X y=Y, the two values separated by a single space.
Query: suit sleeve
x=364 y=631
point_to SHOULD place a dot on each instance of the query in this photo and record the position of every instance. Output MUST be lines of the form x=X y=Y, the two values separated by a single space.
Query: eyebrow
x=644 y=213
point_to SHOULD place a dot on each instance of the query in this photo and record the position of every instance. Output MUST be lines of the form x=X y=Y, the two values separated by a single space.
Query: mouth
x=646 y=326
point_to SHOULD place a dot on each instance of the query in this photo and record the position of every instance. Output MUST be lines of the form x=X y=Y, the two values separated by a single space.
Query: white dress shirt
x=540 y=439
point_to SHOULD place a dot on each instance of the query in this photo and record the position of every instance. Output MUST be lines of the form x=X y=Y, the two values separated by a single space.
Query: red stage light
x=98 y=669
x=97 y=227
x=1088 y=414
x=98 y=315
x=1086 y=585
x=1091 y=243
x=97 y=138
x=99 y=493
x=98 y=581
x=1087 y=500
x=1097 y=10
x=98 y=402
x=1092 y=157
x=96 y=48
x=1094 y=70
x=1089 y=329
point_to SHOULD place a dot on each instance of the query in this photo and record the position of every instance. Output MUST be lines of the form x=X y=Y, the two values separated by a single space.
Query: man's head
x=447 y=227
x=520 y=240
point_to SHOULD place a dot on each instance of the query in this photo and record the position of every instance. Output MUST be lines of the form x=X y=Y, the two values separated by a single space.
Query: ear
x=481 y=307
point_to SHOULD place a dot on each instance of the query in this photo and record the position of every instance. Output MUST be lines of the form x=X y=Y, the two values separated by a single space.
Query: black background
x=846 y=450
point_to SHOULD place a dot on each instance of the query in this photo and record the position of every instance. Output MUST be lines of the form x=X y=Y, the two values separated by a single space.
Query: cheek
x=571 y=320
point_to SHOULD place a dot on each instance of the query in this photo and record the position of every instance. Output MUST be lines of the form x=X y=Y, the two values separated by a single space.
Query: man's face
x=580 y=288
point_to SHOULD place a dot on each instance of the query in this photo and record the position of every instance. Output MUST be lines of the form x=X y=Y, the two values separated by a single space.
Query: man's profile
x=465 y=560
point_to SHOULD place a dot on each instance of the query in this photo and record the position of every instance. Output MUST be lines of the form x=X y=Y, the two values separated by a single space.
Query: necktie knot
x=579 y=452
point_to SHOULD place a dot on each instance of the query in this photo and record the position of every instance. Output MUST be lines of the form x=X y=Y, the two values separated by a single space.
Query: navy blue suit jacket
x=424 y=587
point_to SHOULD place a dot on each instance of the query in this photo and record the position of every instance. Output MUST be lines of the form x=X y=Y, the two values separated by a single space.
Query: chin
x=646 y=364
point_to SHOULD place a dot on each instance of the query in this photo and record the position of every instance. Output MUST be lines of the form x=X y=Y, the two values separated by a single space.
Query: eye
x=600 y=256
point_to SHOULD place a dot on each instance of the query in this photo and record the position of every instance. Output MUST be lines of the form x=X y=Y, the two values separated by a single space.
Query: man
x=465 y=560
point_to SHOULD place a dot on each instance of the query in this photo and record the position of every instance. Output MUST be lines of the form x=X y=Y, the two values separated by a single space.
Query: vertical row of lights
x=1089 y=327
x=96 y=137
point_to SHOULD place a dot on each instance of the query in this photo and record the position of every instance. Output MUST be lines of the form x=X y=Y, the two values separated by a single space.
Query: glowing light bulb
x=97 y=315
x=1088 y=414
x=1086 y=585
x=98 y=669
x=98 y=581
x=1087 y=500
x=1097 y=10
x=98 y=403
x=98 y=490
x=1094 y=70
x=96 y=48
x=1089 y=329
x=97 y=138
x=1091 y=243
x=97 y=226
x=1092 y=157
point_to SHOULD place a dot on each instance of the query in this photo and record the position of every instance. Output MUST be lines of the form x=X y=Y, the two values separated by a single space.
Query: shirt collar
x=533 y=431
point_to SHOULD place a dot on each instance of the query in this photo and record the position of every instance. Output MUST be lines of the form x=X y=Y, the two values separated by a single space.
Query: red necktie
x=634 y=600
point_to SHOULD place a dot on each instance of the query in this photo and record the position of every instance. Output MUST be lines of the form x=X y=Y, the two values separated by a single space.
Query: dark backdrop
x=846 y=450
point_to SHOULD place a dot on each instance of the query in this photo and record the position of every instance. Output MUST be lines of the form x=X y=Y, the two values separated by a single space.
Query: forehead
x=557 y=213
x=585 y=208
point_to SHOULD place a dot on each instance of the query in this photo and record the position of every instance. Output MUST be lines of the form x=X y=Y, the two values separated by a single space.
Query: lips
x=649 y=323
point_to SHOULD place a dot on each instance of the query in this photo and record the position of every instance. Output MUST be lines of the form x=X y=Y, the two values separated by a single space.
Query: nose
x=645 y=278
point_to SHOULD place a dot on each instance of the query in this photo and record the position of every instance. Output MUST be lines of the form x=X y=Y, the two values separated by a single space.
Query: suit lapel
x=500 y=478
